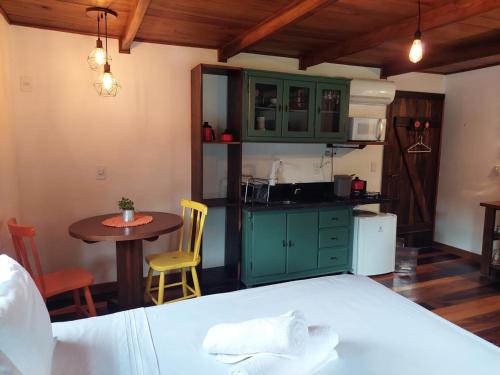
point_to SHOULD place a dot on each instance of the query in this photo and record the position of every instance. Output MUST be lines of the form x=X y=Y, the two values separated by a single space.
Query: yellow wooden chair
x=182 y=259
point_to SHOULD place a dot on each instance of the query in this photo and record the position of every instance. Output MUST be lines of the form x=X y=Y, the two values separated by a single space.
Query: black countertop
x=334 y=202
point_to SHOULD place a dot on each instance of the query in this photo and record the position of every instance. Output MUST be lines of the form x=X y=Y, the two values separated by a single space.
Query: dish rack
x=255 y=190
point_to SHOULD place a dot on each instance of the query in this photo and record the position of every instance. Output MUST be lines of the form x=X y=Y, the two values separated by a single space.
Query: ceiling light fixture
x=106 y=84
x=97 y=57
x=417 y=50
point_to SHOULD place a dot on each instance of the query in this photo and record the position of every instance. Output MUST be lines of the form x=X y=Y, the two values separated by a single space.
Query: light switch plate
x=100 y=173
x=26 y=84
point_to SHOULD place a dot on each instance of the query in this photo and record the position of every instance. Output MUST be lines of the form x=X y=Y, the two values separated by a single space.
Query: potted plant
x=127 y=207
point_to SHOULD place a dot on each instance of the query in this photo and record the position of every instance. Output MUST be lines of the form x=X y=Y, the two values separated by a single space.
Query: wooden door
x=302 y=234
x=411 y=178
x=268 y=243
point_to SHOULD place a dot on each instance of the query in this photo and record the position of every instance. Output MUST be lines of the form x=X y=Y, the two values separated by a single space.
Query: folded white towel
x=320 y=349
x=284 y=334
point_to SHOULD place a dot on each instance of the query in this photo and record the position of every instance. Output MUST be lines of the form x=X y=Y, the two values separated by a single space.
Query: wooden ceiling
x=458 y=35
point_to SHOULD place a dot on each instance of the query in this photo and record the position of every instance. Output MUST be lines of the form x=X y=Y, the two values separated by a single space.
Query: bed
x=380 y=333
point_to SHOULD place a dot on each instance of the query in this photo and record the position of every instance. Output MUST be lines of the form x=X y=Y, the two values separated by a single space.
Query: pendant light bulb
x=416 y=50
x=106 y=84
x=97 y=58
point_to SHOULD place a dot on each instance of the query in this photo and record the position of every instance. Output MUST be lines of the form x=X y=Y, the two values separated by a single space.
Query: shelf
x=368 y=143
x=222 y=143
x=220 y=202
x=266 y=108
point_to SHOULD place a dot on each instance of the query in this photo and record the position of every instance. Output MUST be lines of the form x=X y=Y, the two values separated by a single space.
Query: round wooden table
x=128 y=249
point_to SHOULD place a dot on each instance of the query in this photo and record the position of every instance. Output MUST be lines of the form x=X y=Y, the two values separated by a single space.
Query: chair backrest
x=22 y=235
x=195 y=226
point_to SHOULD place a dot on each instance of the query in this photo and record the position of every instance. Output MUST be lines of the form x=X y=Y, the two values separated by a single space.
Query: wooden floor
x=444 y=283
x=452 y=287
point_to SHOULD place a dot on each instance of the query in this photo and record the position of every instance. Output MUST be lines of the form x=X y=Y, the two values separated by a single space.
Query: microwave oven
x=367 y=129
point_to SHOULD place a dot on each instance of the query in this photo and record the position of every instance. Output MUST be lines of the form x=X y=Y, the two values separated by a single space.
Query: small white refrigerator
x=374 y=243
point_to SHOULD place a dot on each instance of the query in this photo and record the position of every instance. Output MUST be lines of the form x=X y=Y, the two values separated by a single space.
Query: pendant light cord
x=98 y=26
x=419 y=16
x=106 y=32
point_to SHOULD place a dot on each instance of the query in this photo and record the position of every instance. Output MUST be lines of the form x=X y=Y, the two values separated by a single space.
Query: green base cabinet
x=296 y=243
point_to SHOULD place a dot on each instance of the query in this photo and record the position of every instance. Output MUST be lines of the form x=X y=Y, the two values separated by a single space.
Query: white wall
x=421 y=82
x=142 y=137
x=470 y=150
x=8 y=177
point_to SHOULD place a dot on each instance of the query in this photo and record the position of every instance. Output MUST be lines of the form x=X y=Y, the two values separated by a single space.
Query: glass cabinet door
x=266 y=105
x=331 y=106
x=298 y=108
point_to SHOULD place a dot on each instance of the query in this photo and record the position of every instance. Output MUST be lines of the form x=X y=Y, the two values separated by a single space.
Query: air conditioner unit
x=372 y=91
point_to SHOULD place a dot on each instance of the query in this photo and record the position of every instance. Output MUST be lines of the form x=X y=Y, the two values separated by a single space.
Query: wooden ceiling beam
x=293 y=12
x=4 y=14
x=134 y=22
x=453 y=11
x=476 y=48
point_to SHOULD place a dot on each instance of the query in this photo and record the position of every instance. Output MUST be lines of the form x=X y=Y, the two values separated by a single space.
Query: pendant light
x=106 y=84
x=417 y=50
x=97 y=57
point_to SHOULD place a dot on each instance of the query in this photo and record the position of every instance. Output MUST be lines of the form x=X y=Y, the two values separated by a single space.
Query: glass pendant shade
x=106 y=84
x=97 y=58
x=417 y=50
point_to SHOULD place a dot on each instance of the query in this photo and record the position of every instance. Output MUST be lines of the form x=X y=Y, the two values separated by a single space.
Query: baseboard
x=459 y=252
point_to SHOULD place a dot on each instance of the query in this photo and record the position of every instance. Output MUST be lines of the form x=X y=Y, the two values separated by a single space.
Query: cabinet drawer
x=334 y=218
x=329 y=237
x=332 y=257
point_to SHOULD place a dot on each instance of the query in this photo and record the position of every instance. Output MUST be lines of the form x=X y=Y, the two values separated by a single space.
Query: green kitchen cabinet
x=331 y=111
x=288 y=244
x=265 y=107
x=280 y=107
x=302 y=239
x=268 y=236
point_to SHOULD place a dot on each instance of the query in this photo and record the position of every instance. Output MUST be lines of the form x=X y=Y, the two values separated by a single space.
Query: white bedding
x=380 y=332
x=111 y=344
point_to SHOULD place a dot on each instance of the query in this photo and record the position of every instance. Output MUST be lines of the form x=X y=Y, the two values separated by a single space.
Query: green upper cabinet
x=265 y=112
x=282 y=107
x=331 y=111
x=298 y=109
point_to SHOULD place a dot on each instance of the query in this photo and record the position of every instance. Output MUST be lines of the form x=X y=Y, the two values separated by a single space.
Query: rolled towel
x=284 y=334
x=320 y=350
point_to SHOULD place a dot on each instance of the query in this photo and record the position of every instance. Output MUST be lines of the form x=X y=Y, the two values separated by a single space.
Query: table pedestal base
x=129 y=274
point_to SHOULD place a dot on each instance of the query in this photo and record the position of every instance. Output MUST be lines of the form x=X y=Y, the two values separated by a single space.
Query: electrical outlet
x=100 y=173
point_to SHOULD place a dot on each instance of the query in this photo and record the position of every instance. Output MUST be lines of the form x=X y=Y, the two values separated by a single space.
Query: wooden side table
x=489 y=236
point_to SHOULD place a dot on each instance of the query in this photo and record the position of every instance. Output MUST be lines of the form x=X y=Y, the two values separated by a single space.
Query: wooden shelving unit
x=367 y=143
x=230 y=271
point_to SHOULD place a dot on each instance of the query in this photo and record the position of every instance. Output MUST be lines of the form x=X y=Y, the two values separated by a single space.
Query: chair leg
x=147 y=292
x=195 y=282
x=90 y=301
x=184 y=282
x=161 y=288
x=77 y=302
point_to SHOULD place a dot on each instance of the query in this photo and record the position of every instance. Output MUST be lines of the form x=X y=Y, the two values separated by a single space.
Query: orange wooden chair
x=52 y=283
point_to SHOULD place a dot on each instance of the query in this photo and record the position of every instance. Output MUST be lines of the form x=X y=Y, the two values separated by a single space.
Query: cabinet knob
x=279 y=108
x=333 y=258
x=335 y=218
x=284 y=243
x=286 y=107
x=319 y=109
x=334 y=238
x=290 y=243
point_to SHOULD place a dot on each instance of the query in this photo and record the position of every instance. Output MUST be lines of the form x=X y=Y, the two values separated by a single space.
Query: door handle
x=286 y=107
x=319 y=109
x=279 y=108
x=290 y=243
x=284 y=243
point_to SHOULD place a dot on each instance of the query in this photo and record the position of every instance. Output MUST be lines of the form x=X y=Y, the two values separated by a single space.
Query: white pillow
x=25 y=329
